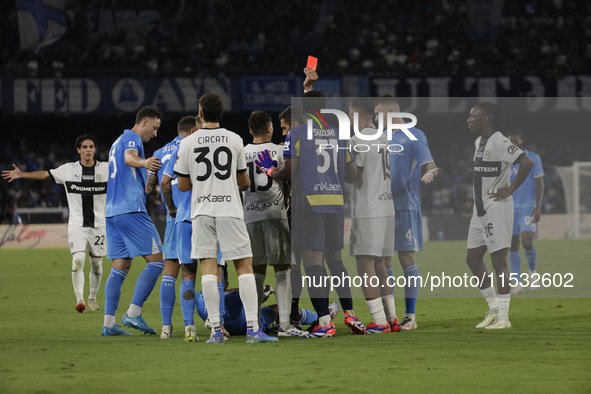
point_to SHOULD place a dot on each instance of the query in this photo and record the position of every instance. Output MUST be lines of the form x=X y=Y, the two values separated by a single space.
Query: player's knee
x=78 y=261
x=528 y=243
x=96 y=264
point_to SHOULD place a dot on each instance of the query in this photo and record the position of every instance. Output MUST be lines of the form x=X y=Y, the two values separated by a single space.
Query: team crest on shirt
x=487 y=154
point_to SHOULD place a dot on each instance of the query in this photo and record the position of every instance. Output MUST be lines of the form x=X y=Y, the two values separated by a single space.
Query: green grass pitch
x=46 y=347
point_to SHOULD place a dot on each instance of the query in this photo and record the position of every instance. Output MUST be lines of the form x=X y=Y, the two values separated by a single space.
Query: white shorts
x=83 y=239
x=229 y=234
x=372 y=237
x=494 y=229
x=271 y=242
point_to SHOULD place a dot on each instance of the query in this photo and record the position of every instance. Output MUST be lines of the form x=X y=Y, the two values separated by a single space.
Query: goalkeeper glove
x=265 y=163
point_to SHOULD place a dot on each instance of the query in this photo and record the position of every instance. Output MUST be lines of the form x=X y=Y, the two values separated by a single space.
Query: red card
x=312 y=62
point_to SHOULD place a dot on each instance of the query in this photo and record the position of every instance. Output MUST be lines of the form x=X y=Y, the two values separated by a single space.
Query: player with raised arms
x=318 y=213
x=130 y=231
x=527 y=201
x=85 y=183
x=212 y=164
x=492 y=217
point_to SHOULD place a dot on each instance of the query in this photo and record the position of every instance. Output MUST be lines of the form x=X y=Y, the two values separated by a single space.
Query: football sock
x=211 y=296
x=248 y=296
x=260 y=286
x=337 y=268
x=490 y=296
x=144 y=286
x=95 y=275
x=78 y=275
x=283 y=296
x=296 y=289
x=167 y=298
x=187 y=296
x=377 y=311
x=504 y=300
x=531 y=258
x=411 y=289
x=324 y=321
x=113 y=294
x=515 y=264
x=389 y=307
x=308 y=317
x=392 y=281
x=222 y=300
x=317 y=290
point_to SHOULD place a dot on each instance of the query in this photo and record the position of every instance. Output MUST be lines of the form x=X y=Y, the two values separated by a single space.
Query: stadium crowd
x=548 y=38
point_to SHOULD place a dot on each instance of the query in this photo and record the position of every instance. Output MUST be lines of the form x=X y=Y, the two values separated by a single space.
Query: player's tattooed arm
x=167 y=194
x=351 y=171
x=151 y=188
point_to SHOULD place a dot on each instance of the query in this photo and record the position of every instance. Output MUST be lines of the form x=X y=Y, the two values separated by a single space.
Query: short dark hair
x=494 y=111
x=147 y=112
x=258 y=121
x=83 y=138
x=517 y=132
x=212 y=106
x=314 y=99
x=185 y=125
x=285 y=115
x=387 y=99
x=363 y=104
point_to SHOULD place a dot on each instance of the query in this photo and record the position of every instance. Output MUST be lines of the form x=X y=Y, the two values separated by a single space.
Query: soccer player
x=266 y=220
x=527 y=200
x=492 y=217
x=410 y=163
x=85 y=183
x=318 y=212
x=130 y=231
x=167 y=155
x=235 y=319
x=212 y=164
x=372 y=214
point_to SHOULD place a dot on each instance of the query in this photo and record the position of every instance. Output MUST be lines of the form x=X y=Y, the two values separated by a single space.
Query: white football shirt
x=371 y=195
x=211 y=158
x=492 y=169
x=86 y=190
x=264 y=199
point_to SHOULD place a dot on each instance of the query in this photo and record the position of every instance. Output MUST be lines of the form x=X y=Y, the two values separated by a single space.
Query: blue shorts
x=234 y=318
x=170 y=241
x=130 y=235
x=408 y=231
x=183 y=231
x=522 y=221
x=321 y=231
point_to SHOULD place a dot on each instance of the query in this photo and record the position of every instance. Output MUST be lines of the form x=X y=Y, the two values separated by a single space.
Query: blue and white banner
x=110 y=95
x=40 y=22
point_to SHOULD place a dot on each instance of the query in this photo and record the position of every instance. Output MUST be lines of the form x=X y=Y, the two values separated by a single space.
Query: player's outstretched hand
x=500 y=194
x=535 y=215
x=153 y=164
x=311 y=77
x=11 y=175
x=265 y=163
x=430 y=175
